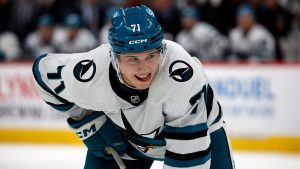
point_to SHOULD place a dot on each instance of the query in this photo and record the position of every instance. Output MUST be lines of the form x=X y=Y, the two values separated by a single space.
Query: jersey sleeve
x=47 y=72
x=192 y=116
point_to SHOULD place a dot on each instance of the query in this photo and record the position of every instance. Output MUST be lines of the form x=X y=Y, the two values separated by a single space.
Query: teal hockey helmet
x=135 y=29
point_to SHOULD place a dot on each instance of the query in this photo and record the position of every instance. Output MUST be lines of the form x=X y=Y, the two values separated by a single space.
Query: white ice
x=26 y=156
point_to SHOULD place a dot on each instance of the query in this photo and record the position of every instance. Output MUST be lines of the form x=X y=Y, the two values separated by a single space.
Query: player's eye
x=150 y=56
x=132 y=59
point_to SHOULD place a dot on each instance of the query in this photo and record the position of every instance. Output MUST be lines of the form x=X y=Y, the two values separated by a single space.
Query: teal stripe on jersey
x=155 y=142
x=37 y=74
x=186 y=133
x=187 y=163
x=61 y=107
x=221 y=156
x=186 y=129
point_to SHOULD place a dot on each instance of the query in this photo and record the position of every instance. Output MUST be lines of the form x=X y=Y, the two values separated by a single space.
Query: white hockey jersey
x=170 y=121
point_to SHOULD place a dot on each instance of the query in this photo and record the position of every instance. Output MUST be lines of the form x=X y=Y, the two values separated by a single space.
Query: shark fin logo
x=137 y=138
x=84 y=70
x=180 y=71
x=132 y=132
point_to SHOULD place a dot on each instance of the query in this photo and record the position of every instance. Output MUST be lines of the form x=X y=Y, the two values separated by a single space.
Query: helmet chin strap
x=117 y=68
x=121 y=78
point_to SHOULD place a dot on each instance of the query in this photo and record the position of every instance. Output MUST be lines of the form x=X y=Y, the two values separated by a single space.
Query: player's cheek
x=154 y=66
x=124 y=68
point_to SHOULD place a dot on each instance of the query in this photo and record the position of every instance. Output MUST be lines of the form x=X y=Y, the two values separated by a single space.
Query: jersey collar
x=133 y=96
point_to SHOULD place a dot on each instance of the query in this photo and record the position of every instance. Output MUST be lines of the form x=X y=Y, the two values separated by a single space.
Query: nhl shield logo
x=135 y=99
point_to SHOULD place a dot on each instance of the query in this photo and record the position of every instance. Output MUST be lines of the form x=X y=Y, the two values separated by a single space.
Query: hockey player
x=145 y=97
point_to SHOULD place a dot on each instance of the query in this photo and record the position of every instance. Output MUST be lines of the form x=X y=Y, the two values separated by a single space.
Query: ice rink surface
x=26 y=156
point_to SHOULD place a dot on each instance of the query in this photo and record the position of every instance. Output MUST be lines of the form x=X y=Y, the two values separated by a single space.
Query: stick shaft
x=116 y=156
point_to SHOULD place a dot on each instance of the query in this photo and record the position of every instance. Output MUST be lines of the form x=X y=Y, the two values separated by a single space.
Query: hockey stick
x=116 y=156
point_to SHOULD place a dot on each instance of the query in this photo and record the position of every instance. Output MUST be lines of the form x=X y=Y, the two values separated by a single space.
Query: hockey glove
x=97 y=132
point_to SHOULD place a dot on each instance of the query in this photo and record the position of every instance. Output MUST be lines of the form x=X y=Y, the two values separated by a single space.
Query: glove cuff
x=87 y=126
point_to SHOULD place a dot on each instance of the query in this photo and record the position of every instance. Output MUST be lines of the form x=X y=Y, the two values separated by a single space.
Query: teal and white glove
x=98 y=132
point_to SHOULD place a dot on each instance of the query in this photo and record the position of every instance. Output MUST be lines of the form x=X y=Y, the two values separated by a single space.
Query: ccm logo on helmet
x=137 y=41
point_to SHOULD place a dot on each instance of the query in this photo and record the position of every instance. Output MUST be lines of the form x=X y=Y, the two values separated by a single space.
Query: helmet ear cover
x=135 y=29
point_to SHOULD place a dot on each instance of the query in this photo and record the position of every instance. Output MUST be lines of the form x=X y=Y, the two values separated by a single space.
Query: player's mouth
x=143 y=77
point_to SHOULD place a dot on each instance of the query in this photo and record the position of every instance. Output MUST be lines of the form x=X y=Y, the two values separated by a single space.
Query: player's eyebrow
x=129 y=56
x=136 y=55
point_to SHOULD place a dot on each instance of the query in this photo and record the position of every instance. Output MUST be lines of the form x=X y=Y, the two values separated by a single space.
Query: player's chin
x=142 y=85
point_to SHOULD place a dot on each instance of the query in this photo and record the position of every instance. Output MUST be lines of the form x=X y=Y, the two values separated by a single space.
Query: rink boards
x=260 y=104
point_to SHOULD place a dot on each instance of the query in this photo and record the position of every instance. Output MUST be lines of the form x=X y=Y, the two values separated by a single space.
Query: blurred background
x=250 y=50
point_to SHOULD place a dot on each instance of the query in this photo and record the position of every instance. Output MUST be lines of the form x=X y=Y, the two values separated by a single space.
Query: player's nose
x=144 y=66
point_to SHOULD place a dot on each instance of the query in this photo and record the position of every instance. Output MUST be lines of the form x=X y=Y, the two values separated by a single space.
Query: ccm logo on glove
x=88 y=126
x=85 y=133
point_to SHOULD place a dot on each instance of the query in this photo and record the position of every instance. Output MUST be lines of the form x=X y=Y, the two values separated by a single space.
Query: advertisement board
x=20 y=105
x=258 y=100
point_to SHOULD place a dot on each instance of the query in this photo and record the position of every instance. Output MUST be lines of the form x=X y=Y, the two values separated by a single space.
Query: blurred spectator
x=41 y=41
x=93 y=15
x=5 y=11
x=103 y=33
x=277 y=20
x=291 y=44
x=24 y=15
x=73 y=38
x=199 y=38
x=168 y=15
x=249 y=40
x=9 y=46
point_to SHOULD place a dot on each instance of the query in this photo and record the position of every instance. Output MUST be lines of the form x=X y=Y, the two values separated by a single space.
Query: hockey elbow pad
x=97 y=132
